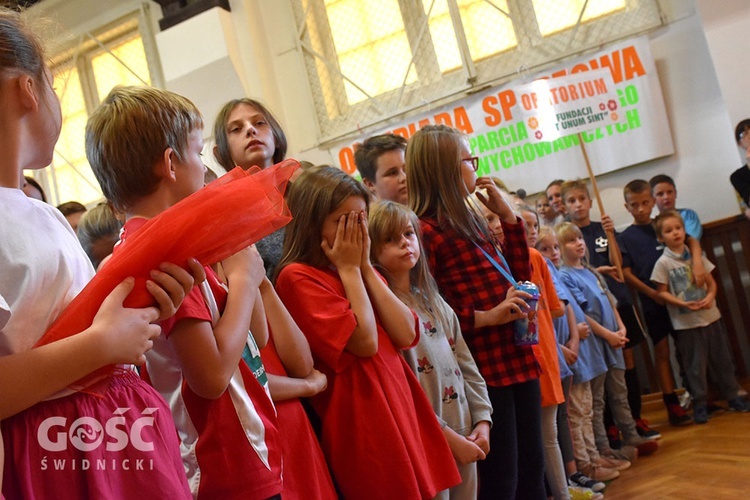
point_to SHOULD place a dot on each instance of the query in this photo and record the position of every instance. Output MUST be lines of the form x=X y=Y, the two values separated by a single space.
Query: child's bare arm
x=289 y=341
x=464 y=450
x=259 y=322
x=708 y=300
x=663 y=290
x=283 y=388
x=512 y=308
x=171 y=284
x=696 y=253
x=570 y=355
x=209 y=355
x=574 y=338
x=494 y=200
x=396 y=318
x=346 y=256
x=117 y=335
x=612 y=338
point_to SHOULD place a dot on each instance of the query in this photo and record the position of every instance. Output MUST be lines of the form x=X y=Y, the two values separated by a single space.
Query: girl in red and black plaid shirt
x=441 y=173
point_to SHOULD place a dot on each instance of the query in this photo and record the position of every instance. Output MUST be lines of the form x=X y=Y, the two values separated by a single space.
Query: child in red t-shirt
x=379 y=432
x=144 y=145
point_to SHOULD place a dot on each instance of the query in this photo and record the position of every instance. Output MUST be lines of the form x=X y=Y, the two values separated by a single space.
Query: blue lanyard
x=500 y=268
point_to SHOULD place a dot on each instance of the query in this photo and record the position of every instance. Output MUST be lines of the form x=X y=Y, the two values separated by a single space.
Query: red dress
x=380 y=434
x=305 y=471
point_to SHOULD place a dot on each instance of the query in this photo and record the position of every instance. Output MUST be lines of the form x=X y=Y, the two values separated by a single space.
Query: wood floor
x=709 y=461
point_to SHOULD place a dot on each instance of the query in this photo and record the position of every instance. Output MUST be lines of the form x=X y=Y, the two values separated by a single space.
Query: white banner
x=496 y=123
x=556 y=107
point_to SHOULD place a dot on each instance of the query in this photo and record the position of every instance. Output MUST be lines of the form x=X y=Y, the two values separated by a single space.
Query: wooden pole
x=610 y=234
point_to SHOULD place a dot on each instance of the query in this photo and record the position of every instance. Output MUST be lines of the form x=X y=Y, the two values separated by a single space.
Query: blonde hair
x=98 y=223
x=568 y=186
x=312 y=197
x=544 y=232
x=433 y=180
x=127 y=135
x=567 y=231
x=386 y=221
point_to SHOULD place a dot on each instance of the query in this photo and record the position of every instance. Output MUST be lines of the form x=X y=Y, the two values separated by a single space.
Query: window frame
x=79 y=52
x=472 y=76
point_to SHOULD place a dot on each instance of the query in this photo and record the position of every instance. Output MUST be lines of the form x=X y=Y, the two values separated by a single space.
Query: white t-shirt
x=676 y=271
x=42 y=267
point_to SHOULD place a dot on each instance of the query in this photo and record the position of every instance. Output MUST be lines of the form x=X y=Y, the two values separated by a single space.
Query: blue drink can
x=525 y=330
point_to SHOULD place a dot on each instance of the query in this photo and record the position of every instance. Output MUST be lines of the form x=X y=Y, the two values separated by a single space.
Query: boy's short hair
x=366 y=154
x=579 y=184
x=658 y=179
x=127 y=135
x=669 y=214
x=556 y=182
x=635 y=187
x=71 y=207
x=740 y=128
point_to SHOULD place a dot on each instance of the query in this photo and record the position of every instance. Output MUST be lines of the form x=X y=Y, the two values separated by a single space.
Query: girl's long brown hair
x=314 y=195
x=434 y=182
x=387 y=221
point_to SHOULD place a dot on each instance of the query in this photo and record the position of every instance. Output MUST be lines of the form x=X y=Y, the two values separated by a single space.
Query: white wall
x=726 y=25
x=705 y=153
x=262 y=60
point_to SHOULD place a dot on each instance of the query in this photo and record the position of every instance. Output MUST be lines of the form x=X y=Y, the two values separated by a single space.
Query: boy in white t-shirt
x=702 y=337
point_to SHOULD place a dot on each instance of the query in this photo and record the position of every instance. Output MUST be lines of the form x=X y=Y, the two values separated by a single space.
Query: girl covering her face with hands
x=379 y=432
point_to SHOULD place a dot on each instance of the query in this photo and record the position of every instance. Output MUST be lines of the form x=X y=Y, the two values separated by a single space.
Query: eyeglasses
x=474 y=160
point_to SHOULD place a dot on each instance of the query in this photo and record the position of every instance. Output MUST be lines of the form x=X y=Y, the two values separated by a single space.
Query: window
x=369 y=62
x=84 y=74
x=554 y=16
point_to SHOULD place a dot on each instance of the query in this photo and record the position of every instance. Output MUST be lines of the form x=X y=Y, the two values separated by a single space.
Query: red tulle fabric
x=224 y=217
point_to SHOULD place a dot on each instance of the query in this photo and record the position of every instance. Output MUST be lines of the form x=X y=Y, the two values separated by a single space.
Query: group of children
x=397 y=320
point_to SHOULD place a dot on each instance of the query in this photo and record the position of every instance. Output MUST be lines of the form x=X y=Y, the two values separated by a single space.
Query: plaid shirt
x=469 y=282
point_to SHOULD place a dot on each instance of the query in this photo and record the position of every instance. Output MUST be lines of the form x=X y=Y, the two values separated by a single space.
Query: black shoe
x=578 y=479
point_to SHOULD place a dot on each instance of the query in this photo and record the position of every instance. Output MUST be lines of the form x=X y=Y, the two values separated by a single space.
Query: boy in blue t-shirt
x=665 y=193
x=641 y=250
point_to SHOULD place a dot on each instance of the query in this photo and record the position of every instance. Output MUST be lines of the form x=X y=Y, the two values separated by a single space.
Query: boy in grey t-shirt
x=702 y=337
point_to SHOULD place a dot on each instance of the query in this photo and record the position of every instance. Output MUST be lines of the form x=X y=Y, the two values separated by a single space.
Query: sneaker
x=600 y=474
x=678 y=416
x=612 y=463
x=700 y=414
x=685 y=399
x=613 y=435
x=580 y=479
x=739 y=404
x=580 y=493
x=644 y=446
x=646 y=432
x=629 y=453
